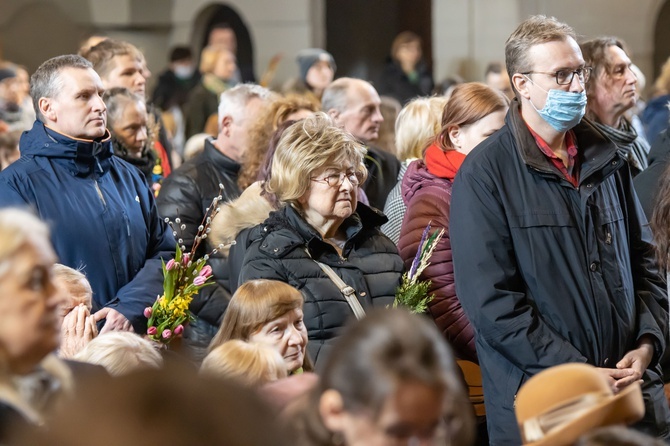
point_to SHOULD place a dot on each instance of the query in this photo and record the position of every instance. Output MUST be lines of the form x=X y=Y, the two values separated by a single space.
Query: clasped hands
x=631 y=367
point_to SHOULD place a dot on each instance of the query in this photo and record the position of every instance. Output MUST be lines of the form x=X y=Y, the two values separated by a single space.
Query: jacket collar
x=81 y=156
x=299 y=232
x=218 y=159
x=595 y=150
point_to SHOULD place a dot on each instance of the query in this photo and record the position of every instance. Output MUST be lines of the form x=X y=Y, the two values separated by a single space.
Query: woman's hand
x=77 y=330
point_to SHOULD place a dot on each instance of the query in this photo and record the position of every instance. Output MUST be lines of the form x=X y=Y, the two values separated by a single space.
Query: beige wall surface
x=467 y=34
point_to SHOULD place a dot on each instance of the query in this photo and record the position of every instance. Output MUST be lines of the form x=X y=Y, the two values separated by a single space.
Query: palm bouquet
x=183 y=277
x=412 y=292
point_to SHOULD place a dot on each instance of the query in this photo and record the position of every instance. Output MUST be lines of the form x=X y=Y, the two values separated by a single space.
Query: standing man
x=611 y=91
x=189 y=191
x=552 y=259
x=354 y=105
x=496 y=77
x=103 y=216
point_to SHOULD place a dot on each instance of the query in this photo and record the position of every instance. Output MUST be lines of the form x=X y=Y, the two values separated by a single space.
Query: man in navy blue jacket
x=102 y=213
x=553 y=260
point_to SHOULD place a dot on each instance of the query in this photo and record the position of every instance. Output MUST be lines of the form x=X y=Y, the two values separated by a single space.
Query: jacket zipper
x=102 y=198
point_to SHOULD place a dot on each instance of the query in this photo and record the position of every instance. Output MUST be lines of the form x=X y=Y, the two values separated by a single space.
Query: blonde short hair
x=251 y=363
x=417 y=125
x=307 y=146
x=121 y=352
x=18 y=228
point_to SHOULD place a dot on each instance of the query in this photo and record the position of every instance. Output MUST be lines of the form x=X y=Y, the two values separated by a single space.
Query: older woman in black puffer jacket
x=315 y=175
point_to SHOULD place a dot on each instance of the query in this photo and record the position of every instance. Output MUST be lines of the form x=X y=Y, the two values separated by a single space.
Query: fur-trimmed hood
x=246 y=211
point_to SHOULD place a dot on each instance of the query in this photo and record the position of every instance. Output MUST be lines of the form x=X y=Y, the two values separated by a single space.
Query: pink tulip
x=170 y=265
x=179 y=329
x=199 y=281
x=151 y=331
x=185 y=259
x=147 y=312
x=206 y=271
x=166 y=334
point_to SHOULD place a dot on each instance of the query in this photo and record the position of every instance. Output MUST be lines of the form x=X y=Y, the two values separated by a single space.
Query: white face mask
x=183 y=71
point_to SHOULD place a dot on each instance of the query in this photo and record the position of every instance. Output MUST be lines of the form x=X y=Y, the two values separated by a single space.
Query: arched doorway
x=662 y=38
x=215 y=14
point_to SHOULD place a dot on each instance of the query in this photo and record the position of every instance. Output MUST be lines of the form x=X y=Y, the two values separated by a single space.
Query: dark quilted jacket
x=371 y=266
x=428 y=199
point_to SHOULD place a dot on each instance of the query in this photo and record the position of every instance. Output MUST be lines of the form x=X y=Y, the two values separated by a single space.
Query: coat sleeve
x=652 y=299
x=490 y=285
x=256 y=265
x=10 y=197
x=141 y=292
x=445 y=308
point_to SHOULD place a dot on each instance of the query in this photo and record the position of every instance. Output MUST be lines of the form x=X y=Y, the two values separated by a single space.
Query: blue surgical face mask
x=563 y=109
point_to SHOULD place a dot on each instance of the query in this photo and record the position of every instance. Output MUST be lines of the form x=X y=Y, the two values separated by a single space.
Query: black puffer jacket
x=371 y=265
x=186 y=194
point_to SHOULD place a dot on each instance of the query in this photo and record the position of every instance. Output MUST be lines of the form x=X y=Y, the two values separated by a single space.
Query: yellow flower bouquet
x=183 y=277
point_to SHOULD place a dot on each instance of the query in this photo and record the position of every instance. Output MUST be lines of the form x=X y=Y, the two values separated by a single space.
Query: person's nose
x=295 y=337
x=577 y=85
x=631 y=78
x=140 y=79
x=142 y=135
x=99 y=105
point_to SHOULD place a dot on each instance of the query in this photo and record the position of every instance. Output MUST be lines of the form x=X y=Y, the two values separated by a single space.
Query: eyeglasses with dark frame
x=565 y=77
x=336 y=179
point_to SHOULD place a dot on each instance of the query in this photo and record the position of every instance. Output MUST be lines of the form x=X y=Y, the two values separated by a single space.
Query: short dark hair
x=493 y=67
x=180 y=53
x=46 y=81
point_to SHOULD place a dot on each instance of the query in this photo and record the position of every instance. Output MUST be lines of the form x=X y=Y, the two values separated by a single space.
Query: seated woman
x=31 y=378
x=321 y=226
x=267 y=312
x=132 y=140
x=253 y=364
x=390 y=379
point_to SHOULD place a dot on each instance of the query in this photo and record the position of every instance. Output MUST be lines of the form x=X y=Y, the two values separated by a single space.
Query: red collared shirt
x=571 y=173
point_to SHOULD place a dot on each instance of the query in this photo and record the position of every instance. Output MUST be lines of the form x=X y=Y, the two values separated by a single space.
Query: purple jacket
x=428 y=198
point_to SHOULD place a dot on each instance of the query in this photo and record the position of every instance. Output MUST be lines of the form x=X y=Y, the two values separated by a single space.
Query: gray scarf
x=631 y=146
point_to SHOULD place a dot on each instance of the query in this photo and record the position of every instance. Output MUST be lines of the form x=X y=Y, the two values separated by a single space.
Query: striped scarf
x=631 y=146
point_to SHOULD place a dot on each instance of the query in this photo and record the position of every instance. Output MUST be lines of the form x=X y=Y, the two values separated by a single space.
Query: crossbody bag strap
x=348 y=292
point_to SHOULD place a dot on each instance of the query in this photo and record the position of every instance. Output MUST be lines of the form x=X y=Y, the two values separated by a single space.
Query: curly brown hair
x=259 y=136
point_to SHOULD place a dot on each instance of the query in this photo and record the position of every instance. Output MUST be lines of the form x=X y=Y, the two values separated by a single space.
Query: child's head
x=75 y=286
x=253 y=364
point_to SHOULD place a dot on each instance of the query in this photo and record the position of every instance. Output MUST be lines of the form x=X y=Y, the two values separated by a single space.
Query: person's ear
x=331 y=409
x=46 y=107
x=226 y=124
x=521 y=84
x=335 y=115
x=455 y=134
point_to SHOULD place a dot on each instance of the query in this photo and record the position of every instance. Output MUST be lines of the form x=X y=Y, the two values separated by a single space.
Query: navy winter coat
x=549 y=273
x=102 y=214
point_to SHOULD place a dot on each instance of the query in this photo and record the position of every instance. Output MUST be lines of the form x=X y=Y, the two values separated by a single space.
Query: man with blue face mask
x=552 y=259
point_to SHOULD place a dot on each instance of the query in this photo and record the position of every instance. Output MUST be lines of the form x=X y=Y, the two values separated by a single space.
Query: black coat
x=395 y=83
x=186 y=194
x=549 y=273
x=371 y=265
x=383 y=168
x=647 y=182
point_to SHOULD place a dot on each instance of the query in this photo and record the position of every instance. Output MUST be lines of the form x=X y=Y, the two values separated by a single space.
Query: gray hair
x=121 y=352
x=335 y=95
x=233 y=101
x=115 y=100
x=46 y=82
